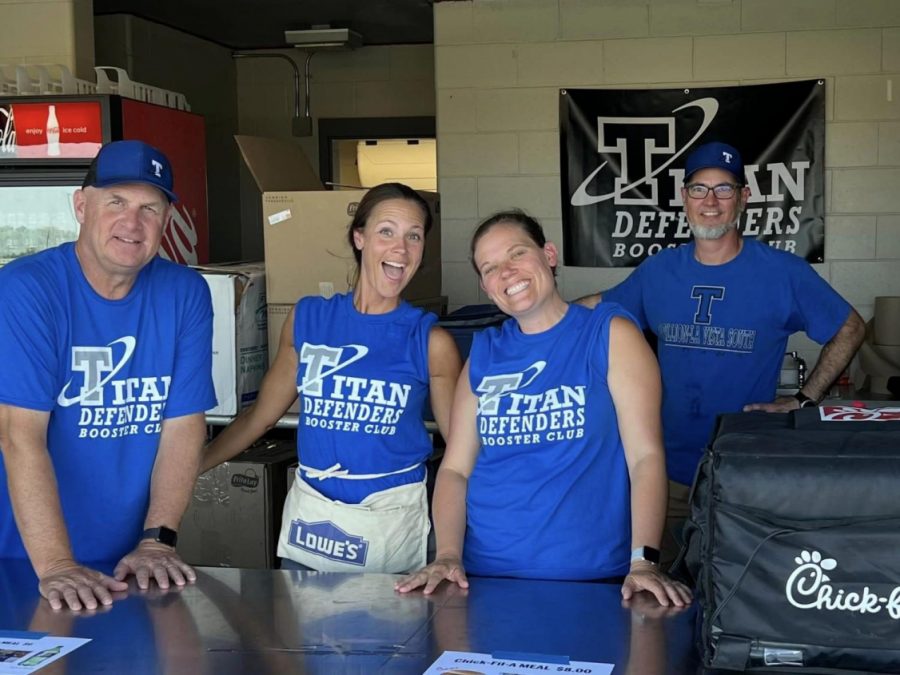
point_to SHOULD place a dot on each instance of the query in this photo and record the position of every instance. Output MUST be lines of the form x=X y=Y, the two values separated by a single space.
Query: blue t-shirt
x=548 y=497
x=109 y=372
x=722 y=333
x=362 y=381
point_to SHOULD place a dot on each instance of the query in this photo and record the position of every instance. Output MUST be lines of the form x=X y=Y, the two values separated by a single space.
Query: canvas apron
x=386 y=532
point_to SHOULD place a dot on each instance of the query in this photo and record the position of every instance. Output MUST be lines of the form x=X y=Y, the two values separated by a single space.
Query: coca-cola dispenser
x=47 y=144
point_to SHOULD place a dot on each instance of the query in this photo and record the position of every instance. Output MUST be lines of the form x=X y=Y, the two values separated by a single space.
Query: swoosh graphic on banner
x=580 y=197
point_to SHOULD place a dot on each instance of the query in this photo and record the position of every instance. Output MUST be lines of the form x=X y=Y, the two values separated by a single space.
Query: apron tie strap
x=335 y=471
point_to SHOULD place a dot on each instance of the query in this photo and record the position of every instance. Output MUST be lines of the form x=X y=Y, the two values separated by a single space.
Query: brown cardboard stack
x=240 y=334
x=305 y=233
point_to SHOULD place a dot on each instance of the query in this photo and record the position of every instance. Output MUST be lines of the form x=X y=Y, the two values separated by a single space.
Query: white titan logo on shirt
x=323 y=361
x=97 y=365
x=493 y=387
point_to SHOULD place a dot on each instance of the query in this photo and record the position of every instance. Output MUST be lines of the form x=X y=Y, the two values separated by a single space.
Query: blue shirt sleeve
x=191 y=390
x=817 y=309
x=630 y=295
x=28 y=342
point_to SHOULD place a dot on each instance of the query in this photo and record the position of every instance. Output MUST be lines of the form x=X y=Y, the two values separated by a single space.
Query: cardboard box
x=235 y=512
x=277 y=313
x=240 y=333
x=305 y=227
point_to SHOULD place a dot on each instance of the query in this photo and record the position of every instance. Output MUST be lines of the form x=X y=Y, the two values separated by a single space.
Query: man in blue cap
x=722 y=308
x=107 y=352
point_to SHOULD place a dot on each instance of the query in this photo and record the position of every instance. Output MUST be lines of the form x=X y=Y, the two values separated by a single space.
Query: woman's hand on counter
x=430 y=576
x=646 y=576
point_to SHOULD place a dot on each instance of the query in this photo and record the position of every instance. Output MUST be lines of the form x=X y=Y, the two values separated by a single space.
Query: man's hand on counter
x=152 y=559
x=432 y=575
x=66 y=583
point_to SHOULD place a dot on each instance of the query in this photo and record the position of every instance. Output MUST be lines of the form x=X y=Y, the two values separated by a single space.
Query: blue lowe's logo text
x=329 y=541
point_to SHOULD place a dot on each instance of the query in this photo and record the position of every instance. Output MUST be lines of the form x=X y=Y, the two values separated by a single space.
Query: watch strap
x=647 y=553
x=804 y=400
x=164 y=535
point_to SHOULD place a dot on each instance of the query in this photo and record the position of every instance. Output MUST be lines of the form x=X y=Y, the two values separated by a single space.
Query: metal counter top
x=270 y=621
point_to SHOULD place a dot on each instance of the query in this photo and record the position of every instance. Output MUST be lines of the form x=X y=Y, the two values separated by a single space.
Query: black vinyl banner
x=622 y=166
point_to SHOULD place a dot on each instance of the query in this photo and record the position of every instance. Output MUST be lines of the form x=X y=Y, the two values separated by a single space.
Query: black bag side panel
x=794 y=545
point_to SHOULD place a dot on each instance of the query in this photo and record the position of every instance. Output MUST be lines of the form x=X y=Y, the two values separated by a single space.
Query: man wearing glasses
x=722 y=308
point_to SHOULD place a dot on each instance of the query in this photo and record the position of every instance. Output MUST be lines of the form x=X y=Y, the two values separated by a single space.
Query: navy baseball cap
x=131 y=162
x=715 y=156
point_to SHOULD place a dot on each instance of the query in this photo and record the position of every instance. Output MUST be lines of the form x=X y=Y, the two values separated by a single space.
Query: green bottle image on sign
x=40 y=657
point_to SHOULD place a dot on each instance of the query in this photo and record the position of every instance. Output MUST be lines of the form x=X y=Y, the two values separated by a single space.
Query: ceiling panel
x=260 y=24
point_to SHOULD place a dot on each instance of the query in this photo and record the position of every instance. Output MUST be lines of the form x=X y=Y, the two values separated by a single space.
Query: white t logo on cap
x=726 y=155
x=157 y=168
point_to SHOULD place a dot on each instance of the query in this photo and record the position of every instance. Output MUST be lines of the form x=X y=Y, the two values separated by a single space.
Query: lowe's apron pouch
x=386 y=532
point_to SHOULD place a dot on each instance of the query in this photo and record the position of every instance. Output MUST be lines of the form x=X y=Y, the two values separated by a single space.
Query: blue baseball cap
x=715 y=156
x=131 y=162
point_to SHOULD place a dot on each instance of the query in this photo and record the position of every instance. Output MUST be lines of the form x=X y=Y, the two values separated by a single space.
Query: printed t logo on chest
x=321 y=377
x=508 y=417
x=702 y=332
x=338 y=401
x=98 y=367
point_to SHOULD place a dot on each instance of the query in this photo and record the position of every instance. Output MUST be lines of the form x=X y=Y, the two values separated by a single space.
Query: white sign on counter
x=28 y=652
x=470 y=663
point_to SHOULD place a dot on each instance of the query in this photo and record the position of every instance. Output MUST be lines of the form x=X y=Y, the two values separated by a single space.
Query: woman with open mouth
x=362 y=363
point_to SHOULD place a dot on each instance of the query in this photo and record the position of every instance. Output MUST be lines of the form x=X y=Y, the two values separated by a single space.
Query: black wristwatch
x=162 y=534
x=646 y=553
x=805 y=401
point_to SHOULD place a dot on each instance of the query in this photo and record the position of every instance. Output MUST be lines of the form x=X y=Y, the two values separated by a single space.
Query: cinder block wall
x=500 y=63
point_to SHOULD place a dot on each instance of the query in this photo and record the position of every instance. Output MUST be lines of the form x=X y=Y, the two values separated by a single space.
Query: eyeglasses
x=721 y=191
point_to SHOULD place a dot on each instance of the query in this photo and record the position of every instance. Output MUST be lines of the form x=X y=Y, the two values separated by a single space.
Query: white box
x=240 y=333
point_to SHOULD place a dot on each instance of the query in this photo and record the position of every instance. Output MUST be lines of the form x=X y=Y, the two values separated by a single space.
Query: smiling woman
x=362 y=364
x=554 y=467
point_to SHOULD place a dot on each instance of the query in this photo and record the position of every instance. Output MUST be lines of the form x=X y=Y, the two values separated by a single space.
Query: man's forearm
x=32 y=487
x=35 y=501
x=835 y=356
x=175 y=471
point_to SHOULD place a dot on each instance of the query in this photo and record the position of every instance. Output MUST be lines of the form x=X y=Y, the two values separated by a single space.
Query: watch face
x=163 y=535
x=167 y=537
x=647 y=553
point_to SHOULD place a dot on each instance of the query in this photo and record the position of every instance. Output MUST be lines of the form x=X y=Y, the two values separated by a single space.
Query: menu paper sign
x=28 y=652
x=469 y=663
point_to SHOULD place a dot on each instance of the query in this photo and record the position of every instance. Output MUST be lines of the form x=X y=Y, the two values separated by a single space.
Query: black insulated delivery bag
x=794 y=542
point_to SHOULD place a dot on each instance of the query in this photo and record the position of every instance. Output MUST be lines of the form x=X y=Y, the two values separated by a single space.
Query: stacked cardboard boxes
x=305 y=233
x=240 y=333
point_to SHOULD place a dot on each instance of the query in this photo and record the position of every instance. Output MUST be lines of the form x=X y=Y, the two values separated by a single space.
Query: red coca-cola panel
x=182 y=137
x=60 y=129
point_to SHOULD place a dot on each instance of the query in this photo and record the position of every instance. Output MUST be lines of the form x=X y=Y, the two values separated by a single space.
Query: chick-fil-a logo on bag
x=810 y=587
